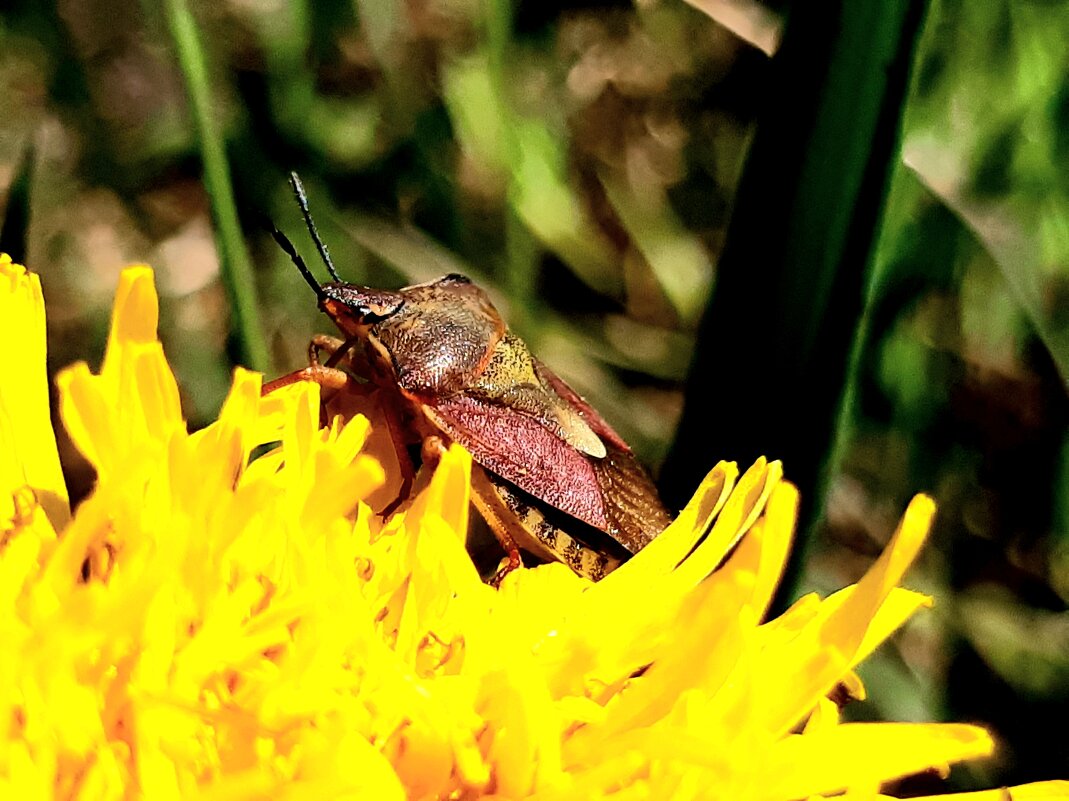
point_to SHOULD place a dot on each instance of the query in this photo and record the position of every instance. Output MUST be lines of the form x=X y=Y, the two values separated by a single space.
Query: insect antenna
x=302 y=201
x=283 y=242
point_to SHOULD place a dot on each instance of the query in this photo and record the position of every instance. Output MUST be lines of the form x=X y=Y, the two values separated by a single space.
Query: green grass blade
x=775 y=345
x=234 y=259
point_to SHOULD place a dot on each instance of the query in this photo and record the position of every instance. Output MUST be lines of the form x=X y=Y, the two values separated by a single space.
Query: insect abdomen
x=534 y=528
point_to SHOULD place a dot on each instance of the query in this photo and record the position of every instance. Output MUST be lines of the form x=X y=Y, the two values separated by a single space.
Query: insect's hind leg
x=500 y=522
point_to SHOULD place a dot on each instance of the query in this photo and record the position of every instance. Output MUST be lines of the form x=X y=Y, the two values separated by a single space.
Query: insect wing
x=636 y=514
x=522 y=450
x=589 y=414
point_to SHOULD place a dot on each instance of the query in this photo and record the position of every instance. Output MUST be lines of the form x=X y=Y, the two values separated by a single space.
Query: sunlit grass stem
x=234 y=259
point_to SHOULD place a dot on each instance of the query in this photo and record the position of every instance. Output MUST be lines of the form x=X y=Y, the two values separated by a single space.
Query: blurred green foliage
x=961 y=380
x=580 y=159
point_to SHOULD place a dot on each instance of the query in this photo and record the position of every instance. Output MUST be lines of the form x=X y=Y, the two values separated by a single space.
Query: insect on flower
x=550 y=476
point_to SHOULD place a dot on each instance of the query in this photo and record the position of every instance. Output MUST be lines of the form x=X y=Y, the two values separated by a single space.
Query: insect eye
x=454 y=278
x=361 y=303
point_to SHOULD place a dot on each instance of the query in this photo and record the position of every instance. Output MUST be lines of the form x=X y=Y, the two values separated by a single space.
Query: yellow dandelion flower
x=216 y=627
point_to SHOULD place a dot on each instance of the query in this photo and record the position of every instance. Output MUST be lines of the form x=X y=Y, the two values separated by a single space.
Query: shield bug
x=550 y=476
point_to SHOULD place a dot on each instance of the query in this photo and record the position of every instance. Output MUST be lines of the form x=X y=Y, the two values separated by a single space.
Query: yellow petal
x=808 y=666
x=118 y=417
x=135 y=316
x=852 y=754
x=712 y=615
x=210 y=628
x=28 y=454
x=380 y=444
x=670 y=547
x=746 y=503
x=778 y=532
x=1036 y=791
x=443 y=511
x=646 y=591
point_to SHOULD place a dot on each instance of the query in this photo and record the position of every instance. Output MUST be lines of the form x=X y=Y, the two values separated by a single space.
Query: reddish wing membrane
x=636 y=514
x=520 y=449
x=614 y=494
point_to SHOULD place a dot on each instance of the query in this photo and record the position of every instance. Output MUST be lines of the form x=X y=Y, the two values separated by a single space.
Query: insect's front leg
x=324 y=343
x=327 y=375
x=339 y=351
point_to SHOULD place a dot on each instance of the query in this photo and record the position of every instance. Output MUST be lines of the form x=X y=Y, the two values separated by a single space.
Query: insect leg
x=396 y=430
x=324 y=343
x=339 y=351
x=326 y=377
x=500 y=520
